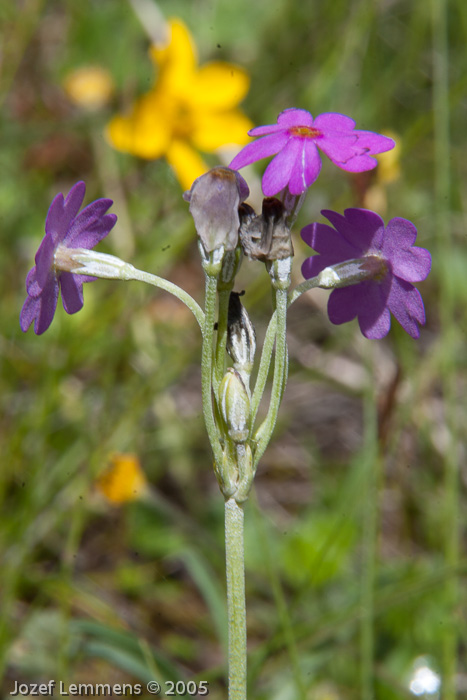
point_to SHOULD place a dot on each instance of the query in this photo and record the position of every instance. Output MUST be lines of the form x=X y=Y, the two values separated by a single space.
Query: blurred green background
x=355 y=535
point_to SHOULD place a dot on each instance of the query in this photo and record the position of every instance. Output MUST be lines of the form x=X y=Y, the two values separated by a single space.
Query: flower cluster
x=388 y=261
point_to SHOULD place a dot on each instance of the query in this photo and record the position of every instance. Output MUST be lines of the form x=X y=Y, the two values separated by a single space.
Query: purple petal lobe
x=62 y=212
x=40 y=309
x=326 y=240
x=333 y=121
x=374 y=143
x=91 y=225
x=294 y=117
x=406 y=304
x=361 y=228
x=44 y=260
x=358 y=164
x=278 y=172
x=72 y=292
x=306 y=168
x=338 y=148
x=263 y=148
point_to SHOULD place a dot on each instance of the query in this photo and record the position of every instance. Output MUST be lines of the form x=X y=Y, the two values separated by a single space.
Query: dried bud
x=234 y=404
x=241 y=336
x=214 y=200
x=267 y=237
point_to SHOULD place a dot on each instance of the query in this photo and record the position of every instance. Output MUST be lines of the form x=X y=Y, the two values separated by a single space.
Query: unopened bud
x=241 y=336
x=234 y=404
x=214 y=200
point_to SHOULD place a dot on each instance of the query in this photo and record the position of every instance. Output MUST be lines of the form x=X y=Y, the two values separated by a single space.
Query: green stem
x=264 y=432
x=263 y=370
x=235 y=570
x=268 y=345
x=206 y=368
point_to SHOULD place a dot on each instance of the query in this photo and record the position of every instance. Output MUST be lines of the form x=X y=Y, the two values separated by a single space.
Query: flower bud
x=214 y=200
x=241 y=336
x=234 y=404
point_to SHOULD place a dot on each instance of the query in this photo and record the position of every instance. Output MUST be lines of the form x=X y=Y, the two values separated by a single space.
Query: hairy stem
x=235 y=570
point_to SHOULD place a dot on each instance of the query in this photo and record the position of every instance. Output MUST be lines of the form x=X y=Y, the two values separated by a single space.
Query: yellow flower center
x=307 y=132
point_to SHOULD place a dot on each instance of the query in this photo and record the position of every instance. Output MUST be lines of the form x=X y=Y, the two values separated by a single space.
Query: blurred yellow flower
x=389 y=167
x=124 y=480
x=388 y=170
x=189 y=109
x=89 y=87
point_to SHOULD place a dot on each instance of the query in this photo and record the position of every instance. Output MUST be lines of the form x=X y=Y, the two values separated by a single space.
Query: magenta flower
x=296 y=138
x=361 y=234
x=64 y=229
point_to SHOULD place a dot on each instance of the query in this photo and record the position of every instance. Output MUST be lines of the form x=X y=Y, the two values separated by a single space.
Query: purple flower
x=64 y=229
x=296 y=138
x=361 y=234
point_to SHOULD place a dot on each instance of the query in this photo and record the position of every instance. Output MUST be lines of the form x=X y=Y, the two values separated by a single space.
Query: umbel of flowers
x=370 y=267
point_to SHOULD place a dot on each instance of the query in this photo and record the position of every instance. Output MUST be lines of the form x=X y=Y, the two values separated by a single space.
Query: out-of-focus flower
x=189 y=109
x=296 y=138
x=89 y=87
x=124 y=480
x=65 y=230
x=389 y=251
x=214 y=199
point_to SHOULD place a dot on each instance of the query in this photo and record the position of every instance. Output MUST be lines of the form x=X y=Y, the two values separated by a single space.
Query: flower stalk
x=236 y=607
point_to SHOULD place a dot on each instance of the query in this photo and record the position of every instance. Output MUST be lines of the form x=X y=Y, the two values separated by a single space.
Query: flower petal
x=176 y=60
x=62 y=211
x=44 y=260
x=217 y=85
x=326 y=240
x=72 y=292
x=146 y=131
x=333 y=121
x=361 y=228
x=214 y=130
x=339 y=148
x=405 y=302
x=263 y=148
x=91 y=225
x=294 y=117
x=277 y=174
x=408 y=262
x=40 y=309
x=366 y=300
x=357 y=164
x=374 y=143
x=307 y=167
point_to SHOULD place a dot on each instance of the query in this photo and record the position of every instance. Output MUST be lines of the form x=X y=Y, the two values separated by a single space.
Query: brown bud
x=214 y=200
x=267 y=237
